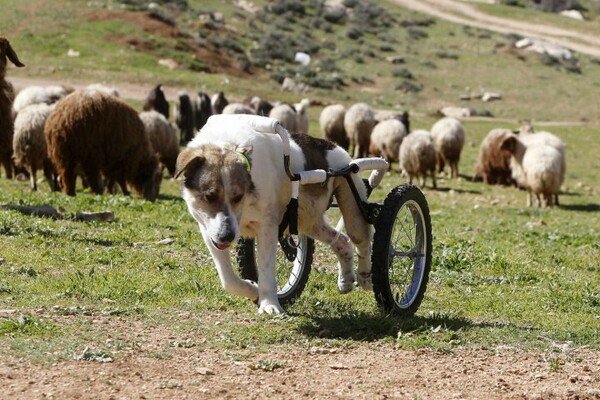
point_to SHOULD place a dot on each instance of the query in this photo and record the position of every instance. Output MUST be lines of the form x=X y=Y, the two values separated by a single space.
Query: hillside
x=377 y=52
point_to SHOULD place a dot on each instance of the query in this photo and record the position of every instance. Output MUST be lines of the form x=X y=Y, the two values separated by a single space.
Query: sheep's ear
x=509 y=144
x=12 y=56
x=188 y=162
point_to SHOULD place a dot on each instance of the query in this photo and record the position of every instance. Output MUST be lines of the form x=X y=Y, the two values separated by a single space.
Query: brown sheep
x=101 y=134
x=156 y=100
x=6 y=99
x=493 y=163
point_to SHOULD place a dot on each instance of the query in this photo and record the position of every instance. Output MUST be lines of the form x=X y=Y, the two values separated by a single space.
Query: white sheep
x=448 y=140
x=302 y=115
x=417 y=156
x=537 y=167
x=237 y=108
x=358 y=123
x=29 y=143
x=98 y=87
x=387 y=137
x=163 y=137
x=38 y=95
x=331 y=122
x=286 y=115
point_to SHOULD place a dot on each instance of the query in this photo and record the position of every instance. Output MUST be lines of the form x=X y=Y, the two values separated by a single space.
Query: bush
x=402 y=73
x=408 y=87
x=353 y=33
x=446 y=55
x=416 y=34
x=280 y=7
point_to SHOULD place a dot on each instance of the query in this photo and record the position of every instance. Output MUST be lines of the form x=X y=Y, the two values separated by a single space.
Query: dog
x=235 y=185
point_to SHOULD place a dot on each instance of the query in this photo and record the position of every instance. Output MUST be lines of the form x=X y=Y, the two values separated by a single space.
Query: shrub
x=446 y=55
x=402 y=73
x=416 y=34
x=408 y=87
x=280 y=7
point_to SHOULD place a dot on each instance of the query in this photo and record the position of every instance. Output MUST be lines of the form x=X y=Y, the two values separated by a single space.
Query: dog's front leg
x=267 y=286
x=229 y=279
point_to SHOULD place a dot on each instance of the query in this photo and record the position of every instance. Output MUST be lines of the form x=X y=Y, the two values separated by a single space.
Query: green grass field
x=502 y=274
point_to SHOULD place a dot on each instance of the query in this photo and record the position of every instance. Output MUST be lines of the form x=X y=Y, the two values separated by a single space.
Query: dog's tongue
x=222 y=246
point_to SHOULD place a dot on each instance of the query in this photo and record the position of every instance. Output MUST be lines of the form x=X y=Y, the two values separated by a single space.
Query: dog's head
x=216 y=184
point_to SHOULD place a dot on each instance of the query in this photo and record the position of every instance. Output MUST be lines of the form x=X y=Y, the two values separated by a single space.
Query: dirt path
x=467 y=14
x=157 y=368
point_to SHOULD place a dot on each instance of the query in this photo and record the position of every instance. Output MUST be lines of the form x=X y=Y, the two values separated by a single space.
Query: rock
x=575 y=14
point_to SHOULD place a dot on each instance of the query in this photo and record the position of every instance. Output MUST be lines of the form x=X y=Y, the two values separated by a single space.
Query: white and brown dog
x=235 y=185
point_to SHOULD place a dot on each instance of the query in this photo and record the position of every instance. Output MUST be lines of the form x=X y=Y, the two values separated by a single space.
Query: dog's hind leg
x=358 y=229
x=342 y=247
x=229 y=280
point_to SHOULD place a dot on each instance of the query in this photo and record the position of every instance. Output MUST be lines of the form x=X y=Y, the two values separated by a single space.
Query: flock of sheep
x=93 y=134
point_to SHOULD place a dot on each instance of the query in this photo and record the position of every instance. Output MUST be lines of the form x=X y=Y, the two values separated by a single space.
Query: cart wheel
x=401 y=258
x=293 y=264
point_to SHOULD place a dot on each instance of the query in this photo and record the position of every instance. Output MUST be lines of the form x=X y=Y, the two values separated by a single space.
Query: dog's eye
x=211 y=197
x=237 y=198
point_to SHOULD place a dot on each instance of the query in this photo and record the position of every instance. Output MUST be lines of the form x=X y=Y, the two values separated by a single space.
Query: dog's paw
x=364 y=280
x=252 y=290
x=270 y=308
x=346 y=282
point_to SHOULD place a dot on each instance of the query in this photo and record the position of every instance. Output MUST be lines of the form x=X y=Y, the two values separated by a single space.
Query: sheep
x=286 y=115
x=260 y=106
x=6 y=95
x=98 y=87
x=331 y=122
x=382 y=115
x=203 y=110
x=530 y=137
x=302 y=115
x=237 y=108
x=38 y=95
x=101 y=134
x=156 y=100
x=448 y=140
x=417 y=156
x=218 y=102
x=386 y=138
x=538 y=167
x=184 y=117
x=358 y=123
x=29 y=143
x=163 y=136
x=493 y=163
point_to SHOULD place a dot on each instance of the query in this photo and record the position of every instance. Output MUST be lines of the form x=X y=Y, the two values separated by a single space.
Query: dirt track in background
x=467 y=14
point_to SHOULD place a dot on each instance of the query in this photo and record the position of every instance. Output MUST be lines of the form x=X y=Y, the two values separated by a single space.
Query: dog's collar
x=246 y=160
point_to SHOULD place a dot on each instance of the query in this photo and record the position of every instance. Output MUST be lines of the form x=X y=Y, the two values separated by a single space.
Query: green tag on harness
x=246 y=160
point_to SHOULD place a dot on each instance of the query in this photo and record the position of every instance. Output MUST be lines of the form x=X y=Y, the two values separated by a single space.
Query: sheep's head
x=148 y=178
x=7 y=52
x=509 y=143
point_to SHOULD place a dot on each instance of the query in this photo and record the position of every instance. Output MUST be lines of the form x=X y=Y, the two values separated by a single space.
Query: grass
x=503 y=274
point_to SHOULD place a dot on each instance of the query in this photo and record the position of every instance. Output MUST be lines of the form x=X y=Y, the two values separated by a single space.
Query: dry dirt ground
x=164 y=365
x=361 y=371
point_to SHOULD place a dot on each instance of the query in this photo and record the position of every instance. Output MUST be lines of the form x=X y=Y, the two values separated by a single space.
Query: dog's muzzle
x=222 y=245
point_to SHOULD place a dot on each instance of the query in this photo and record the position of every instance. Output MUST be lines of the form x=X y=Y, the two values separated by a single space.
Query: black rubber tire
x=291 y=276
x=404 y=205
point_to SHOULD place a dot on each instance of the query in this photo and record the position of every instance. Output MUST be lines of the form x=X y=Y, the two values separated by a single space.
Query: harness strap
x=245 y=159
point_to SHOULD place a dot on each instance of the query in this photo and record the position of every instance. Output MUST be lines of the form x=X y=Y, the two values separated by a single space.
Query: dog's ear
x=244 y=149
x=188 y=161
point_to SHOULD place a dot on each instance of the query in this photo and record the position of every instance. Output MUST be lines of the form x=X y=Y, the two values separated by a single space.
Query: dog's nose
x=227 y=236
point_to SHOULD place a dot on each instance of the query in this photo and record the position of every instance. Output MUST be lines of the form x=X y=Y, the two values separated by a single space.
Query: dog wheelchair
x=401 y=246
